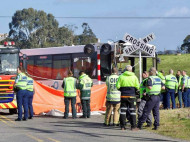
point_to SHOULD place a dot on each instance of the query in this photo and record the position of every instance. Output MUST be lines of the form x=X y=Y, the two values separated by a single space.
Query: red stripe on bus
x=13 y=105
x=1 y=107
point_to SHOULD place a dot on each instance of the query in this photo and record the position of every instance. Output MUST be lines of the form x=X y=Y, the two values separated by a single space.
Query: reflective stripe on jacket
x=156 y=86
x=30 y=84
x=113 y=94
x=85 y=85
x=185 y=81
x=171 y=82
x=70 y=87
x=21 y=81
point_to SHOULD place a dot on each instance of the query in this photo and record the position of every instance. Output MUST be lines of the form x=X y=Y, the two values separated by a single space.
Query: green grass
x=174 y=123
x=175 y=62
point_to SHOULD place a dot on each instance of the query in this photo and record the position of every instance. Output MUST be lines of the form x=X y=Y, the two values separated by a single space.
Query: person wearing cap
x=171 y=87
x=143 y=98
x=70 y=92
x=128 y=83
x=112 y=98
x=153 y=89
x=85 y=85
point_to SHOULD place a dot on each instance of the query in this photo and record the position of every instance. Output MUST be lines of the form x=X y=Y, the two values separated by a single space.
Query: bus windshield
x=9 y=63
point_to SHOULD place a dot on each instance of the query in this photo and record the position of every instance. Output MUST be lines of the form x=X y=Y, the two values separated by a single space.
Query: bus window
x=30 y=65
x=61 y=65
x=82 y=64
x=43 y=66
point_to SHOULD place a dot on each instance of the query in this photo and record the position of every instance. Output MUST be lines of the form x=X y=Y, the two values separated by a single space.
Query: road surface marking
x=5 y=122
x=7 y=119
x=53 y=140
x=35 y=138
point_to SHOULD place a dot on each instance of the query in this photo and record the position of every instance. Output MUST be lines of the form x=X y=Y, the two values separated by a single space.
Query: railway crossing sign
x=139 y=44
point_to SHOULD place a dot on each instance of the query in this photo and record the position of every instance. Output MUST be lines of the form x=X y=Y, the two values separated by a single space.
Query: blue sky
x=169 y=32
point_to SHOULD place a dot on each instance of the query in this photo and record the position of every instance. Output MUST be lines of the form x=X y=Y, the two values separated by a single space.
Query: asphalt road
x=57 y=129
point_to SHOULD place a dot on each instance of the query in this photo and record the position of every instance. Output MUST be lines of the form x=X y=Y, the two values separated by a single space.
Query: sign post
x=140 y=66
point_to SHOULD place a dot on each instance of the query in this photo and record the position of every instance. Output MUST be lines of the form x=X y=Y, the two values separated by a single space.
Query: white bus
x=51 y=65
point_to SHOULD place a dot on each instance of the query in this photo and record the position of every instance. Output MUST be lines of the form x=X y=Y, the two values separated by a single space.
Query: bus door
x=82 y=64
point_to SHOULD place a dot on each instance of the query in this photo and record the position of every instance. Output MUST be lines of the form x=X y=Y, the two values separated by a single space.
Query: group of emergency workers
x=121 y=95
x=70 y=86
x=176 y=86
x=154 y=89
x=24 y=94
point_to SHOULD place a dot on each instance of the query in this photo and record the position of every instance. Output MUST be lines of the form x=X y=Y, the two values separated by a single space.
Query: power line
x=125 y=17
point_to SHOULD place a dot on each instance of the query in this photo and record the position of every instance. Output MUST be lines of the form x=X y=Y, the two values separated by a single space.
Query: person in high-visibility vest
x=113 y=99
x=70 y=92
x=143 y=98
x=185 y=84
x=153 y=89
x=171 y=87
x=163 y=99
x=85 y=85
x=21 y=95
x=179 y=93
x=128 y=83
x=30 y=93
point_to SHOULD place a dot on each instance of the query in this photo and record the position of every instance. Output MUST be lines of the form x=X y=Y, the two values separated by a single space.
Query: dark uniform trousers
x=128 y=103
x=30 y=100
x=152 y=104
x=73 y=103
x=86 y=108
x=185 y=96
x=22 y=100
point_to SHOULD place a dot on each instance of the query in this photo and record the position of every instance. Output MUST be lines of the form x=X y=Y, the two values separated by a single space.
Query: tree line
x=32 y=28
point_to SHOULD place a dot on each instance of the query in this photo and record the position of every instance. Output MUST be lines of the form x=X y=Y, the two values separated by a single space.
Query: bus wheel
x=13 y=111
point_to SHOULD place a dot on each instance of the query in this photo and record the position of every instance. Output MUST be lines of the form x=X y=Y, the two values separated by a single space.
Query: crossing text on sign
x=137 y=44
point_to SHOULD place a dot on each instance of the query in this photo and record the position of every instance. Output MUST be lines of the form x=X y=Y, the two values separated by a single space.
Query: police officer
x=185 y=84
x=171 y=87
x=153 y=88
x=163 y=92
x=85 y=84
x=113 y=98
x=22 y=99
x=128 y=84
x=69 y=85
x=143 y=99
x=179 y=93
x=30 y=93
